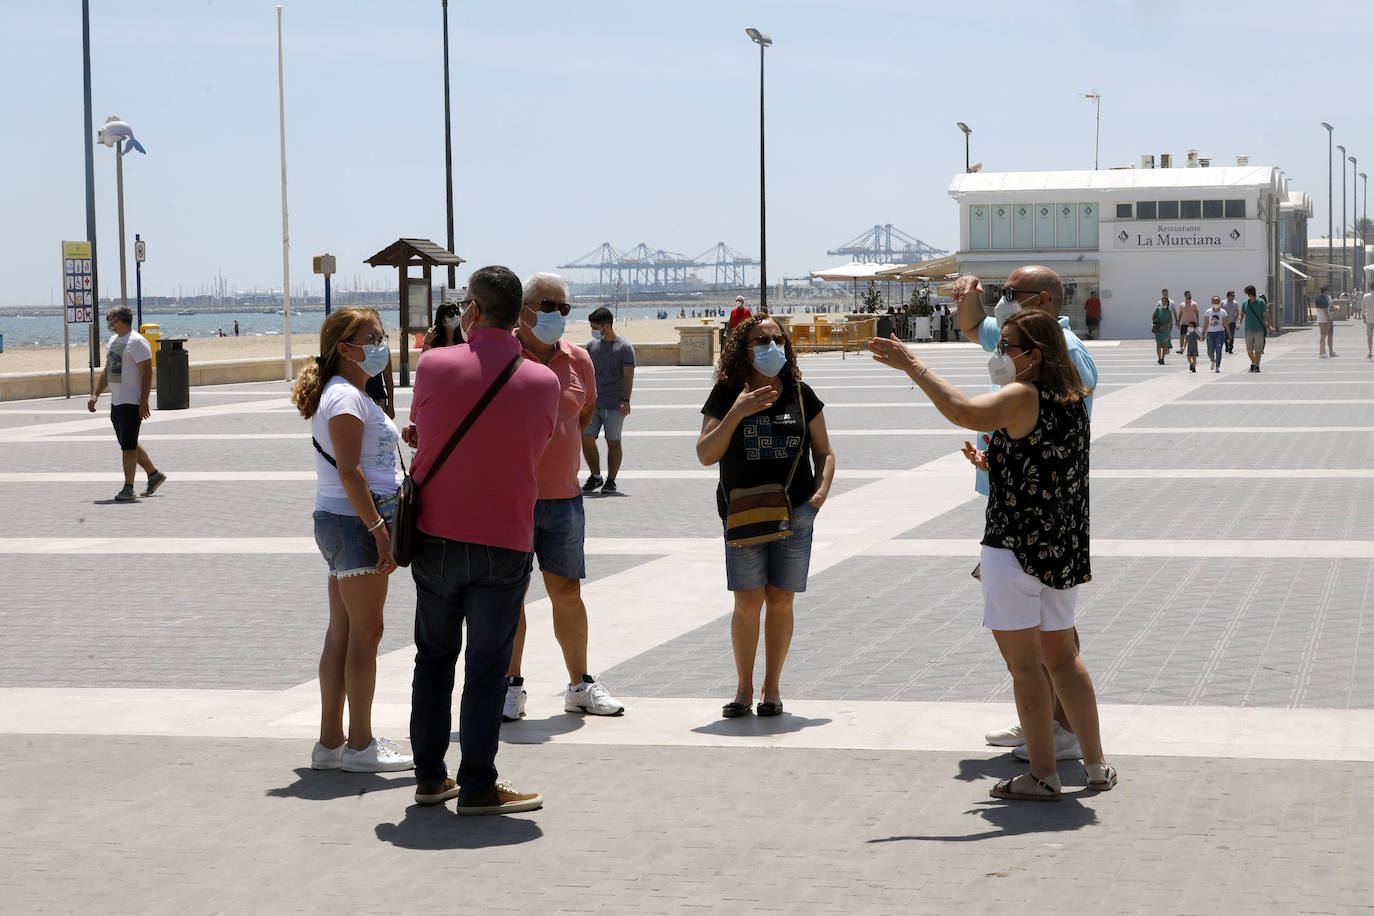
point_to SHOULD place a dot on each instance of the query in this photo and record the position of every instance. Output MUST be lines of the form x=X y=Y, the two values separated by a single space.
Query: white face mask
x=453 y=321
x=1005 y=308
x=1002 y=369
x=468 y=325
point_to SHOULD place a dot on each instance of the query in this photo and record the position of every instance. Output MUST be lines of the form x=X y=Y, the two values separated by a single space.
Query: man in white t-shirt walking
x=128 y=373
x=1367 y=306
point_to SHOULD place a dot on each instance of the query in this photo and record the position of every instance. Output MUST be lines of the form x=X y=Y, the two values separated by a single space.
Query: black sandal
x=769 y=709
x=734 y=710
x=1040 y=791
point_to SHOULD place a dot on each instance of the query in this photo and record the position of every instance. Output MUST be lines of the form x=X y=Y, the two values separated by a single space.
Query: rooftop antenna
x=1096 y=98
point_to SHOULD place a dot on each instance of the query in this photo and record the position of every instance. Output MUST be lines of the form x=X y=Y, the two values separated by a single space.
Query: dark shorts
x=126 y=423
x=560 y=532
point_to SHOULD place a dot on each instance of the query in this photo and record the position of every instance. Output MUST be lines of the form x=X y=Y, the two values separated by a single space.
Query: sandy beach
x=214 y=349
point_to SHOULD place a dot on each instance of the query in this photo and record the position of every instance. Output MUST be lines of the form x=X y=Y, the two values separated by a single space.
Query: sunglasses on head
x=551 y=305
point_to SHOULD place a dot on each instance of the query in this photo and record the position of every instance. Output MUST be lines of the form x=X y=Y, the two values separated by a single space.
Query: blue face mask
x=374 y=359
x=769 y=360
x=548 y=327
x=598 y=334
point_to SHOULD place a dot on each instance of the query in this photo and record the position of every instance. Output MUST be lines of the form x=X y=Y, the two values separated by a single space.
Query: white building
x=1128 y=233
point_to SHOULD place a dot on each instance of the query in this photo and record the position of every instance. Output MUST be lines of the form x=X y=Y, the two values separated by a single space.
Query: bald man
x=1031 y=287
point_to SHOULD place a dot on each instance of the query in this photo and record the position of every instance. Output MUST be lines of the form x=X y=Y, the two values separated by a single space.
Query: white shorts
x=1015 y=600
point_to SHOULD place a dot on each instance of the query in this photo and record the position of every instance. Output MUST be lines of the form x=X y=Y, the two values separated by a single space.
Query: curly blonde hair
x=339 y=326
x=735 y=364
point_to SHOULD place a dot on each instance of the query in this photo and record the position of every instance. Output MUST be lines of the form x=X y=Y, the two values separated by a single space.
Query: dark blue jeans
x=483 y=586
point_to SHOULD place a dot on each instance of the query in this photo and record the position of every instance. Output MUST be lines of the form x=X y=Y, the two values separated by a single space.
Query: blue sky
x=624 y=122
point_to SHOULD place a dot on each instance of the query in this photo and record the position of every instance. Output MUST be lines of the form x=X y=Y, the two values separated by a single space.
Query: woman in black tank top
x=1035 y=541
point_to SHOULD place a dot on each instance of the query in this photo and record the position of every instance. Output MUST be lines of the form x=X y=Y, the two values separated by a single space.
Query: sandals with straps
x=1101 y=777
x=1040 y=790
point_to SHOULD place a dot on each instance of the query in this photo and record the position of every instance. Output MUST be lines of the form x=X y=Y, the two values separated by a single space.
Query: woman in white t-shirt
x=1216 y=324
x=355 y=463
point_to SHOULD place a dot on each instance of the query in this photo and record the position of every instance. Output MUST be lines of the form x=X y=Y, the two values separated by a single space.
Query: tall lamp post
x=1364 y=221
x=1345 y=262
x=448 y=158
x=1330 y=204
x=762 y=41
x=1097 y=143
x=117 y=134
x=967 y=130
x=1357 y=273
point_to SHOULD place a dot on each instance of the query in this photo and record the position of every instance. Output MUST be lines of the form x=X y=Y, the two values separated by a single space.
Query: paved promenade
x=158 y=706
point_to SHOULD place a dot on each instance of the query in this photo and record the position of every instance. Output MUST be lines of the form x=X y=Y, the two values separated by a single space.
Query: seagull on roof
x=116 y=130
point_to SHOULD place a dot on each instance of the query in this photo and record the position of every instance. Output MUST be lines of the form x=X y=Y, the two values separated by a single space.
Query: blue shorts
x=560 y=533
x=346 y=544
x=782 y=564
x=608 y=417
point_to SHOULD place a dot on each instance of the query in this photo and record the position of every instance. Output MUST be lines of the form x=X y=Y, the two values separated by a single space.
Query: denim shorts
x=608 y=417
x=560 y=533
x=782 y=564
x=346 y=544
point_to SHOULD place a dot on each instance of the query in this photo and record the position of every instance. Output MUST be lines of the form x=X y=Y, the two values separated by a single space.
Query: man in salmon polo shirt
x=560 y=527
x=473 y=542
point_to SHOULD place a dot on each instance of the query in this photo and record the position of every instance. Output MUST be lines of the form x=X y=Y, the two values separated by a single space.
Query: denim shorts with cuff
x=782 y=564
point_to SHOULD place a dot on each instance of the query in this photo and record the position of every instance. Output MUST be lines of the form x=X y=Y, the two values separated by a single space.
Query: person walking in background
x=1162 y=326
x=128 y=373
x=1325 y=343
x=236 y=329
x=1035 y=541
x=560 y=522
x=355 y=496
x=1191 y=340
x=474 y=534
x=1092 y=313
x=739 y=313
x=1367 y=307
x=1187 y=317
x=613 y=358
x=763 y=425
x=1255 y=315
x=1232 y=311
x=1214 y=320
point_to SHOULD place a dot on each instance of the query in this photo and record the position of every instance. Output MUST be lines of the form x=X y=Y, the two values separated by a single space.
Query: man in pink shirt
x=474 y=537
x=559 y=523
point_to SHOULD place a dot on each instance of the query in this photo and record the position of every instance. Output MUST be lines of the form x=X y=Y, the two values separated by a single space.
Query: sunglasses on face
x=1010 y=292
x=551 y=305
x=373 y=339
x=1005 y=345
x=765 y=340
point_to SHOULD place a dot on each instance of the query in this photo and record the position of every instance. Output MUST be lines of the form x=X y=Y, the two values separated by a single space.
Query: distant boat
x=188 y=312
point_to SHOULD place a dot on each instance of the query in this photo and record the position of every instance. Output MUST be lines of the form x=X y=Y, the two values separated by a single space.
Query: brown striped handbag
x=757 y=515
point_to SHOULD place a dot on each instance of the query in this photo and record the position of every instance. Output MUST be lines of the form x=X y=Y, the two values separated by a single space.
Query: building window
x=1190 y=209
x=1125 y=211
x=1168 y=209
x=978 y=225
x=1145 y=209
x=1211 y=209
x=1235 y=209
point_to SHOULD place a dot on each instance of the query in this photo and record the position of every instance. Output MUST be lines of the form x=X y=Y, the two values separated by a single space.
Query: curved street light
x=1345 y=263
x=119 y=135
x=1358 y=273
x=763 y=41
x=967 y=130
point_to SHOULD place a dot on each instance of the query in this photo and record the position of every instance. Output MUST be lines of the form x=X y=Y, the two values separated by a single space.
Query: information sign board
x=78 y=294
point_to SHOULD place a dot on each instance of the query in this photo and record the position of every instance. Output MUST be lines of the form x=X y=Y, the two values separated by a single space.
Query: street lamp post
x=448 y=157
x=1364 y=221
x=1330 y=204
x=967 y=130
x=763 y=41
x=117 y=134
x=1345 y=262
x=1097 y=143
x=1357 y=273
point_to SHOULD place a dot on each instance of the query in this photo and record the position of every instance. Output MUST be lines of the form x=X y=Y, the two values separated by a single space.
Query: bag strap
x=472 y=416
x=801 y=446
x=315 y=442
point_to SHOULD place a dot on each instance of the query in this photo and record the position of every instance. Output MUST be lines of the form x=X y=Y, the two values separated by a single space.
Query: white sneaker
x=590 y=697
x=1006 y=737
x=327 y=758
x=514 y=709
x=1065 y=746
x=377 y=757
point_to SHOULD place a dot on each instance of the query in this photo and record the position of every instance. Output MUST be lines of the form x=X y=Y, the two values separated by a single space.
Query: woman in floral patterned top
x=1035 y=544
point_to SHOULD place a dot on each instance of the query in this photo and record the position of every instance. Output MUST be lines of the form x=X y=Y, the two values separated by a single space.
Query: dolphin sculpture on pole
x=116 y=130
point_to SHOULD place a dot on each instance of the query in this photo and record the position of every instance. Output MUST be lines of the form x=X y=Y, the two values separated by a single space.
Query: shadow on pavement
x=436 y=827
x=1016 y=819
x=325 y=785
x=538 y=731
x=750 y=726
